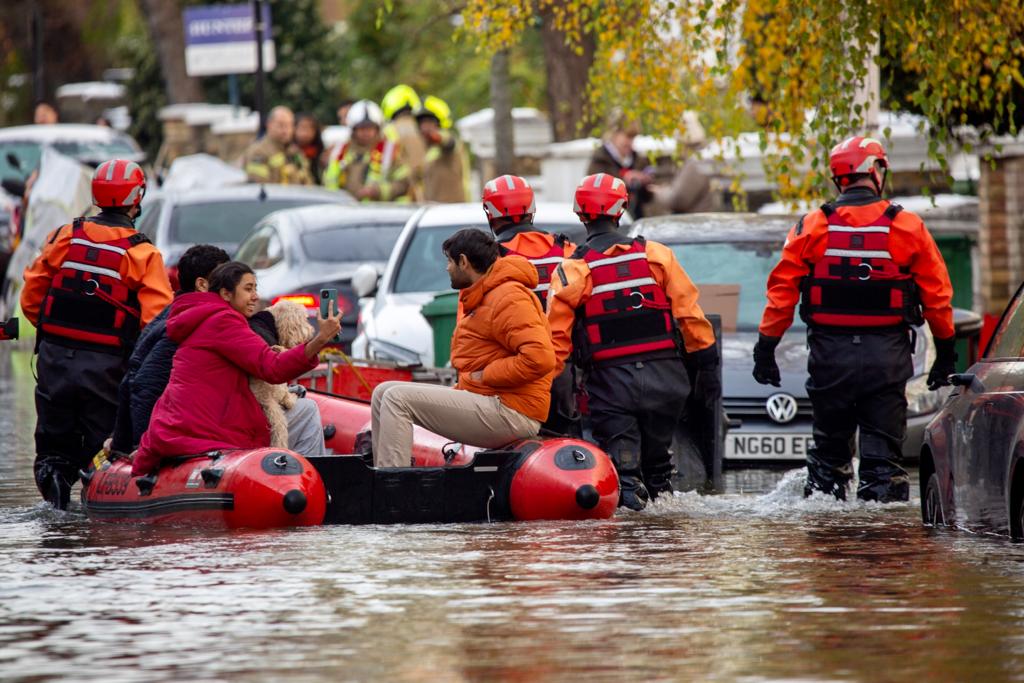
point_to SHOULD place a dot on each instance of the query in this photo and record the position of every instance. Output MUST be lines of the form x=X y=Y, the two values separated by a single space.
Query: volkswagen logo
x=781 y=408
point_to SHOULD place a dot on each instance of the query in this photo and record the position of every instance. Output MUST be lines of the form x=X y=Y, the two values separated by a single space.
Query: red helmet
x=508 y=196
x=857 y=156
x=118 y=182
x=600 y=194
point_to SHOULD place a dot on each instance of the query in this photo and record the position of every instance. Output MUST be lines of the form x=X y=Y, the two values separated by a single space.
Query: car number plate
x=767 y=446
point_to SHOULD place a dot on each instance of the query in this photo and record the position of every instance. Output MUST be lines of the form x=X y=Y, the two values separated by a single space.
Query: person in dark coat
x=617 y=158
x=149 y=367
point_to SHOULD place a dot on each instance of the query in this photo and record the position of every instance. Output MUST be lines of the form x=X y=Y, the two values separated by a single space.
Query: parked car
x=729 y=256
x=21 y=148
x=391 y=325
x=971 y=469
x=298 y=252
x=175 y=220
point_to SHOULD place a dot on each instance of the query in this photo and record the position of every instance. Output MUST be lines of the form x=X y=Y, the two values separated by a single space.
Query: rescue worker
x=510 y=207
x=445 y=163
x=398 y=106
x=864 y=270
x=275 y=158
x=619 y=306
x=502 y=352
x=368 y=166
x=96 y=283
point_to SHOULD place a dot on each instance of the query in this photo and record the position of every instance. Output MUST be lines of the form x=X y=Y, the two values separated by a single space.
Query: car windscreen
x=372 y=242
x=223 y=222
x=421 y=267
x=732 y=278
x=27 y=154
x=96 y=151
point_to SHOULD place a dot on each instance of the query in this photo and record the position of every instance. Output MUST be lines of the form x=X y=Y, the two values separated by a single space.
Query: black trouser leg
x=76 y=404
x=665 y=388
x=613 y=396
x=882 y=417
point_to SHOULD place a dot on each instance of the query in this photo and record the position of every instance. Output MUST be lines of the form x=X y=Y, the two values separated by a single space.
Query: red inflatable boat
x=543 y=478
x=261 y=488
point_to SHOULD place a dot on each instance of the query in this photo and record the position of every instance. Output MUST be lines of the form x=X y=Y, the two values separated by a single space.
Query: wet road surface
x=757 y=584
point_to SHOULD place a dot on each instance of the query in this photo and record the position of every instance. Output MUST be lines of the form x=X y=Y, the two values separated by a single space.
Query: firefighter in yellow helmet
x=444 y=166
x=398 y=107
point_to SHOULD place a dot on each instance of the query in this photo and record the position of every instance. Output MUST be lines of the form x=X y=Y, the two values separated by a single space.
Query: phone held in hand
x=327 y=297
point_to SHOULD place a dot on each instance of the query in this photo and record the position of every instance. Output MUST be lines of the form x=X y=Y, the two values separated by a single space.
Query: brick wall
x=1001 y=240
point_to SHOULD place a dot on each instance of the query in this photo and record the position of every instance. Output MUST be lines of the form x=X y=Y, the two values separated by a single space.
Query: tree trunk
x=163 y=18
x=568 y=73
x=501 y=102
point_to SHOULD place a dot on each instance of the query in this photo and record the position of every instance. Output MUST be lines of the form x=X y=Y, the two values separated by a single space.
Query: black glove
x=298 y=390
x=766 y=370
x=944 y=365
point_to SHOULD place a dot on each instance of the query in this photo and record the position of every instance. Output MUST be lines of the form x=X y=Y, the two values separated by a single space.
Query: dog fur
x=293 y=328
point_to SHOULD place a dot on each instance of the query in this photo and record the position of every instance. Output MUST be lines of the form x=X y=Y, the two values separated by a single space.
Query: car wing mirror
x=14 y=186
x=968 y=380
x=364 y=280
x=14 y=162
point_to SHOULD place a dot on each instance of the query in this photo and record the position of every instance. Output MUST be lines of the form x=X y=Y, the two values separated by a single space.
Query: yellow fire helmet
x=397 y=98
x=438 y=108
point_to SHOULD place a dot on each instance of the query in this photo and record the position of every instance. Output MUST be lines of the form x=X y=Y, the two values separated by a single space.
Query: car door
x=987 y=435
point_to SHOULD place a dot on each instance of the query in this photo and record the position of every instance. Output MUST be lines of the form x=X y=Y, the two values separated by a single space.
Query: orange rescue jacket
x=910 y=245
x=142 y=269
x=571 y=287
x=503 y=332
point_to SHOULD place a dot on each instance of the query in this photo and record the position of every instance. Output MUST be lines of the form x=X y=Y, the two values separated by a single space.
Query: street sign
x=221 y=39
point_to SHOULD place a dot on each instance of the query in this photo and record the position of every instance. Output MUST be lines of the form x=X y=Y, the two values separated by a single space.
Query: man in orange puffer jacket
x=501 y=349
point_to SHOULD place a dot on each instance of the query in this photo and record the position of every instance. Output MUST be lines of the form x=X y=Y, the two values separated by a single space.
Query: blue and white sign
x=221 y=39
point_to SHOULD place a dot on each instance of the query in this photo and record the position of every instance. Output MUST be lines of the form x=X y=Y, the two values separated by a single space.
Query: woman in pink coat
x=208 y=404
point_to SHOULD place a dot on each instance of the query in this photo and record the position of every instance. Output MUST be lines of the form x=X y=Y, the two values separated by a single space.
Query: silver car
x=297 y=252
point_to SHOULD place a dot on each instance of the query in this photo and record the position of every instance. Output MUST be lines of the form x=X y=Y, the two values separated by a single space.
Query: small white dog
x=293 y=328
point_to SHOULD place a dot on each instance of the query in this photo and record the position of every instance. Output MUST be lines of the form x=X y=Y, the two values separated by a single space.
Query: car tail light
x=306 y=300
x=312 y=301
x=172 y=275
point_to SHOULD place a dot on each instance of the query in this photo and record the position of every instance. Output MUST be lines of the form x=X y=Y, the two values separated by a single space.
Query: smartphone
x=328 y=296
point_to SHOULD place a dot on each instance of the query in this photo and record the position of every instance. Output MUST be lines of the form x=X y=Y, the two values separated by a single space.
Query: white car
x=391 y=326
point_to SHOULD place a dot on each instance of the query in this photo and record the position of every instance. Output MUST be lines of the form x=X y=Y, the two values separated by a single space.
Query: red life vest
x=88 y=304
x=628 y=315
x=545 y=264
x=857 y=284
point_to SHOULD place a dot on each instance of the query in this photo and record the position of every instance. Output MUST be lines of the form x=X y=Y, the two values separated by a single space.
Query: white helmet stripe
x=110 y=170
x=129 y=168
x=511 y=184
x=597 y=179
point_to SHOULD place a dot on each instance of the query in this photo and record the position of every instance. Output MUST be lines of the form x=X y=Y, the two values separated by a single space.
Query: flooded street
x=752 y=585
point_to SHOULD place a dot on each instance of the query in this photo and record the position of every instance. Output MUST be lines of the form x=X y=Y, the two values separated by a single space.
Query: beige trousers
x=462 y=416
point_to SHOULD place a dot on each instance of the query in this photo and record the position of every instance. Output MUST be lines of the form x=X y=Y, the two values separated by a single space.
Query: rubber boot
x=632 y=492
x=881 y=477
x=659 y=481
x=56 y=489
x=826 y=478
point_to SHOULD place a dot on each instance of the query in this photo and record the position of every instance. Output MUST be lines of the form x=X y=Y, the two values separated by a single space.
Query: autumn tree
x=806 y=62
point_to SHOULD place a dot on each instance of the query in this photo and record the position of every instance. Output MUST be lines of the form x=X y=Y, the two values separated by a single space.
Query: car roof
x=323 y=217
x=439 y=215
x=73 y=132
x=229 y=193
x=714 y=227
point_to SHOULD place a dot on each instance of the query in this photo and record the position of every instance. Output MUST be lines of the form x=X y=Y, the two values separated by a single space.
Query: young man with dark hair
x=149 y=367
x=501 y=349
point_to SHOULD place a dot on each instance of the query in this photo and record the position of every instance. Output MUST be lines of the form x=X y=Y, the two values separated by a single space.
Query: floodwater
x=754 y=585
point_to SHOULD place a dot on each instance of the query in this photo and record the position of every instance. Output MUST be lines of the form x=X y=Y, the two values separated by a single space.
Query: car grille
x=755 y=407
